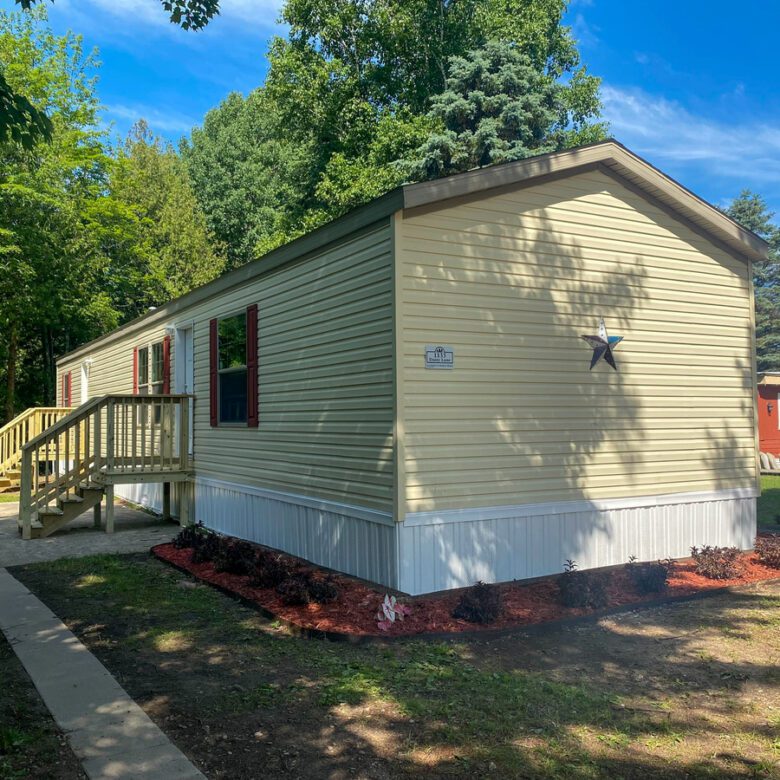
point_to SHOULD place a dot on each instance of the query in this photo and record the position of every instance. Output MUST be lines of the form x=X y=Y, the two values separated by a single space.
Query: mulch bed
x=353 y=613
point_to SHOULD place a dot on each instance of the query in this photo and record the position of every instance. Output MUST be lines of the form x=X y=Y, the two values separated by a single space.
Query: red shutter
x=167 y=365
x=66 y=388
x=135 y=370
x=213 y=366
x=252 y=410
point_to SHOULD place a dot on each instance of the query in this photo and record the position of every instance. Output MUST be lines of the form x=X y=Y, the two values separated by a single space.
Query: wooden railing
x=15 y=434
x=113 y=438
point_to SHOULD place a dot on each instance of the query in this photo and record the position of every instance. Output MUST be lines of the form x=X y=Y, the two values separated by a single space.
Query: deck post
x=166 y=503
x=109 y=509
x=25 y=495
x=96 y=515
x=186 y=492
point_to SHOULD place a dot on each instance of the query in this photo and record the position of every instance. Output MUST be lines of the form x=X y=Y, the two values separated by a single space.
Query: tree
x=247 y=174
x=751 y=211
x=151 y=227
x=52 y=269
x=497 y=107
x=23 y=123
x=347 y=95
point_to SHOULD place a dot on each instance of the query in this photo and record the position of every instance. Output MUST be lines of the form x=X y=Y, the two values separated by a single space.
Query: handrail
x=15 y=433
x=85 y=409
x=110 y=437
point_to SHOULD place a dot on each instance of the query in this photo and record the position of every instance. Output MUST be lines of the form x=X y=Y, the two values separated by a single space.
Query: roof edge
x=362 y=217
x=611 y=153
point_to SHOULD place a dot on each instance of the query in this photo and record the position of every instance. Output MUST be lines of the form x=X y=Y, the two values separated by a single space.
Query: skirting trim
x=568 y=507
x=332 y=507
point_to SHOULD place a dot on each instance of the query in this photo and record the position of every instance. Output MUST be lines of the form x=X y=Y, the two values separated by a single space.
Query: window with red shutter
x=213 y=368
x=252 y=410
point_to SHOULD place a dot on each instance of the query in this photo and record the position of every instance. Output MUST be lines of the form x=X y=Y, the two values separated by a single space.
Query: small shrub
x=652 y=577
x=581 y=588
x=323 y=591
x=768 y=550
x=304 y=588
x=717 y=563
x=271 y=570
x=206 y=548
x=295 y=590
x=189 y=536
x=235 y=557
x=481 y=603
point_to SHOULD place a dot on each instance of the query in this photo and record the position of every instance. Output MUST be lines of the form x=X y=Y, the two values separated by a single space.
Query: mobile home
x=405 y=394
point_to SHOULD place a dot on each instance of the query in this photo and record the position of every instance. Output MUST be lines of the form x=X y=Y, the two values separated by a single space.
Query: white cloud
x=164 y=123
x=149 y=14
x=584 y=33
x=747 y=151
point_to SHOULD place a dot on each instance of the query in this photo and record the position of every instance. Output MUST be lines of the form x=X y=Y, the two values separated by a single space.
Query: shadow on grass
x=626 y=698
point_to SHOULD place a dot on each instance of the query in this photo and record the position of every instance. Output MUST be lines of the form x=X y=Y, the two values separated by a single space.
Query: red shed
x=768 y=412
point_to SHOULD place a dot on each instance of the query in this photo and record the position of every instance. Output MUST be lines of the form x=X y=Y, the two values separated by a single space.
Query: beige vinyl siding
x=112 y=364
x=325 y=376
x=511 y=281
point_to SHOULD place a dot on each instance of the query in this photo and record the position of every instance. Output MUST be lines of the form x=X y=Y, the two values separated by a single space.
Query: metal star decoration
x=602 y=346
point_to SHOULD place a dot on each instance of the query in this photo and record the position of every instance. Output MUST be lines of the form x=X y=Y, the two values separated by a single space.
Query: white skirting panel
x=351 y=539
x=438 y=551
x=149 y=495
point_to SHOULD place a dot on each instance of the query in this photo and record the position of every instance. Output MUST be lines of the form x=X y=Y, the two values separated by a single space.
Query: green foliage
x=368 y=72
x=20 y=121
x=92 y=236
x=751 y=211
x=246 y=173
x=497 y=107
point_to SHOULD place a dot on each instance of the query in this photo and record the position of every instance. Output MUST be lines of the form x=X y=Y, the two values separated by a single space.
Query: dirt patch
x=354 y=612
x=31 y=745
x=685 y=690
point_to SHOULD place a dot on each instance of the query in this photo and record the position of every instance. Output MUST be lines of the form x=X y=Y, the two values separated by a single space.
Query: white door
x=185 y=368
x=85 y=382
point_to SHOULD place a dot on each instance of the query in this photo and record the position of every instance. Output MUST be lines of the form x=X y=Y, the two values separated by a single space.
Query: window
x=232 y=369
x=143 y=370
x=66 y=389
x=158 y=367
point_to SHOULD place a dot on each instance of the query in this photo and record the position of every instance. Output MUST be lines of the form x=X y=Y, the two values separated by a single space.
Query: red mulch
x=353 y=613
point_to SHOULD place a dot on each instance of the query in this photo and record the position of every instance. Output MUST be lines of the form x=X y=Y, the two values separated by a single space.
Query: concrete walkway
x=111 y=735
x=136 y=531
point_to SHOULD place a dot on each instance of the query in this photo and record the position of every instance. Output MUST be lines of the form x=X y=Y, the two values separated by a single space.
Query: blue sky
x=690 y=85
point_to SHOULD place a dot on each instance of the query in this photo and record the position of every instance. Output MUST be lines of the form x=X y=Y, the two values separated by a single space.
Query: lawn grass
x=30 y=744
x=9 y=498
x=768 y=505
x=243 y=697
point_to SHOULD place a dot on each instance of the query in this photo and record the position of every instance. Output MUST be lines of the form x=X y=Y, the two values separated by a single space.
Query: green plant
x=650 y=577
x=768 y=550
x=581 y=588
x=717 y=563
x=481 y=603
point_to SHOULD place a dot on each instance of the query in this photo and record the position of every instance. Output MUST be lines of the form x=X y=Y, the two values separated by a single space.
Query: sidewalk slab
x=111 y=735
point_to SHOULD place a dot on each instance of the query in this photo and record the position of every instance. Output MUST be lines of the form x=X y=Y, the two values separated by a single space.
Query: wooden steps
x=68 y=507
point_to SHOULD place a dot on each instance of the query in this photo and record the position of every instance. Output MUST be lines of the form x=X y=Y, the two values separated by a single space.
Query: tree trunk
x=10 y=384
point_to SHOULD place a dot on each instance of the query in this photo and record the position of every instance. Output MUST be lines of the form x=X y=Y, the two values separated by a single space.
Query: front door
x=185 y=369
